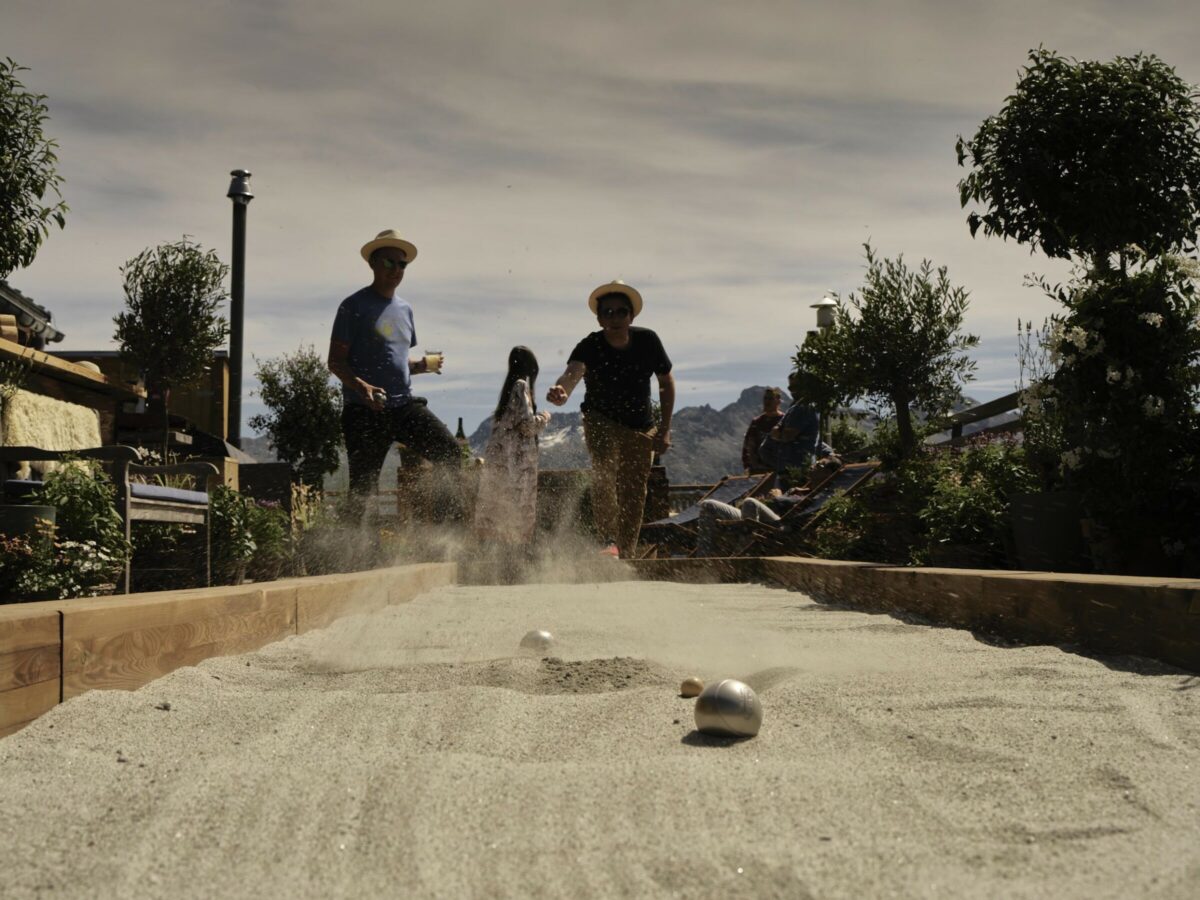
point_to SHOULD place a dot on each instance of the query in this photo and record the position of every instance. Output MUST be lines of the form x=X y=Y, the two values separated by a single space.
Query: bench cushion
x=23 y=487
x=173 y=495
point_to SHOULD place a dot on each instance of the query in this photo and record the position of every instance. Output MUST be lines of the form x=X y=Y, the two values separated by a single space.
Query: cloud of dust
x=563 y=584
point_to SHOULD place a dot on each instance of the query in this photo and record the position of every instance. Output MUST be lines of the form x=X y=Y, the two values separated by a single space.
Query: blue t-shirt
x=800 y=451
x=380 y=332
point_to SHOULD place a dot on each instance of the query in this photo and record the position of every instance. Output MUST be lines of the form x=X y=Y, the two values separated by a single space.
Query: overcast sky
x=729 y=159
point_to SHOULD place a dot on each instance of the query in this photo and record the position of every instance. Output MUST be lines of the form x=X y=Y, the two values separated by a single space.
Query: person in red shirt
x=760 y=427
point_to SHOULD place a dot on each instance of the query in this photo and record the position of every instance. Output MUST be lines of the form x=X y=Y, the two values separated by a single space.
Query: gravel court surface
x=417 y=752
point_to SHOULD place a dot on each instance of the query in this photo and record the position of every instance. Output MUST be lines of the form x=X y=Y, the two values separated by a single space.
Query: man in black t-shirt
x=615 y=364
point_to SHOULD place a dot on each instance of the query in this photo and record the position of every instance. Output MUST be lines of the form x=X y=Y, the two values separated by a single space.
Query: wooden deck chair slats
x=678 y=532
x=776 y=536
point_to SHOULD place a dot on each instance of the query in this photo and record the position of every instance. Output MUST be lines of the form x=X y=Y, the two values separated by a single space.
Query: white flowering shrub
x=1130 y=431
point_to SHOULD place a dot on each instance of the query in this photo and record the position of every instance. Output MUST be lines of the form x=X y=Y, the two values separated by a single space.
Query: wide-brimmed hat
x=390 y=238
x=616 y=287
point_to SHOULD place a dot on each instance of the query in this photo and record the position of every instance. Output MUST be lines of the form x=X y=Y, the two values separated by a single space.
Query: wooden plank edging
x=30 y=665
x=1158 y=618
x=54 y=650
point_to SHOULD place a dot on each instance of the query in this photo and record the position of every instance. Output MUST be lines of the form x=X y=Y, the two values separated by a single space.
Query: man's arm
x=666 y=403
x=750 y=443
x=560 y=391
x=800 y=424
x=339 y=365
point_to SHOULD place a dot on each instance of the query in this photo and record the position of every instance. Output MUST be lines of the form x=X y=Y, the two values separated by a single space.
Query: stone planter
x=1047 y=536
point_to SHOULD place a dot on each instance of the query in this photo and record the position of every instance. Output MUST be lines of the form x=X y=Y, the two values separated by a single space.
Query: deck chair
x=782 y=536
x=677 y=533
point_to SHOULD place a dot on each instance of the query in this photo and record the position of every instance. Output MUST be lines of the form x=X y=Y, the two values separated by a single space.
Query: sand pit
x=417 y=752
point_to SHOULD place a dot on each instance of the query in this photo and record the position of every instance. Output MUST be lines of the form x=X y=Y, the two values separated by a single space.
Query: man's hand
x=662 y=442
x=367 y=392
x=557 y=395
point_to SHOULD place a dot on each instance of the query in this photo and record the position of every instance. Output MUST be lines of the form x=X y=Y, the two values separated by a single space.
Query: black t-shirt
x=617 y=382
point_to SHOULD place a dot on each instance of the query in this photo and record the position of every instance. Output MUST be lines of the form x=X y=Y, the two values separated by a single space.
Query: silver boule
x=729 y=708
x=691 y=687
x=537 y=640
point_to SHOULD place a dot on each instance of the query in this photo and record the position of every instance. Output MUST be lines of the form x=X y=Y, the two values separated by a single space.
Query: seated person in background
x=760 y=427
x=713 y=540
x=796 y=441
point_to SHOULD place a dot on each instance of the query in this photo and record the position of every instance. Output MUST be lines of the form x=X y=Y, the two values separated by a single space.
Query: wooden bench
x=136 y=501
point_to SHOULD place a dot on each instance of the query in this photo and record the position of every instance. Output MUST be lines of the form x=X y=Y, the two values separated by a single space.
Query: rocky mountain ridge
x=706 y=442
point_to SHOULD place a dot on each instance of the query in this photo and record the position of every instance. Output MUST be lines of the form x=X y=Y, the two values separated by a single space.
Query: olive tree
x=29 y=181
x=172 y=324
x=1089 y=158
x=897 y=341
x=303 y=418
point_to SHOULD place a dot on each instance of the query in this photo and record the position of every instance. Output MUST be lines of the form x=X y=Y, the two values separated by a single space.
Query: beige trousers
x=621 y=459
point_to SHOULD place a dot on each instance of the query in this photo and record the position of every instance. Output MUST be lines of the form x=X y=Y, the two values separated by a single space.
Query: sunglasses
x=613 y=312
x=393 y=265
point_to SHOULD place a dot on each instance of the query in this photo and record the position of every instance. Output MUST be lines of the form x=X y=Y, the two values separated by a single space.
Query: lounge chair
x=783 y=536
x=677 y=533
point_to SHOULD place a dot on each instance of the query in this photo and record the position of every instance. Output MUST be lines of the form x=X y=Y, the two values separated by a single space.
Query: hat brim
x=409 y=250
x=635 y=299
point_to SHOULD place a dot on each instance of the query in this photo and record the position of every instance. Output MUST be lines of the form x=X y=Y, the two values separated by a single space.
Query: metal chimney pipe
x=239 y=192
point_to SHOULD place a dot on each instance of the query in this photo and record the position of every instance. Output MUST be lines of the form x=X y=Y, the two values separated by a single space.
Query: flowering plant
x=87 y=550
x=38 y=567
x=1124 y=394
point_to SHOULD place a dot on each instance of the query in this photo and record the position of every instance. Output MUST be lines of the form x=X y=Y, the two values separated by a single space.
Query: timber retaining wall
x=1158 y=618
x=53 y=650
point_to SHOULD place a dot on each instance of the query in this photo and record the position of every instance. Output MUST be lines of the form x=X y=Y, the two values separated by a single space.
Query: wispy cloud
x=729 y=159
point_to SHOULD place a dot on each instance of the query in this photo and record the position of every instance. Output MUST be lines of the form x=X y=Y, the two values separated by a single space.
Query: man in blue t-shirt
x=616 y=364
x=795 y=443
x=373 y=332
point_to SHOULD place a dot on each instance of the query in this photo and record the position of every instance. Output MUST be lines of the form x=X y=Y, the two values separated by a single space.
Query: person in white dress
x=506 y=508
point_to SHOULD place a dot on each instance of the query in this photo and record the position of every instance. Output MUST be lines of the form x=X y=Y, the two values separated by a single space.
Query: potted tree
x=171 y=323
x=303 y=417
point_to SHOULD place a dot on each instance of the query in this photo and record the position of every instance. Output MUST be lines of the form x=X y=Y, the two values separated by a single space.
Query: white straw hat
x=390 y=238
x=616 y=287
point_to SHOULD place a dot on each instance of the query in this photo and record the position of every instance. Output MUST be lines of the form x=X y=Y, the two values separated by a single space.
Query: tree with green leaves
x=172 y=321
x=29 y=181
x=303 y=418
x=898 y=341
x=1089 y=158
x=1101 y=162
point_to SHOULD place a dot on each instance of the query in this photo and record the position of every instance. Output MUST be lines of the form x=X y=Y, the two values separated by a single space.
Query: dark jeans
x=369 y=435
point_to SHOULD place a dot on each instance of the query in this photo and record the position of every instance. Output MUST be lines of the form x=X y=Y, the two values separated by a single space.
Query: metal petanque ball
x=729 y=708
x=537 y=640
x=691 y=687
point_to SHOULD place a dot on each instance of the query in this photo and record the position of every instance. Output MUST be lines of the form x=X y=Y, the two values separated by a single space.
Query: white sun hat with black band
x=616 y=287
x=390 y=238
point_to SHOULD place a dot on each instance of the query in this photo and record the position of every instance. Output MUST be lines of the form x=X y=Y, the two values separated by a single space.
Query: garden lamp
x=825 y=308
x=241 y=195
